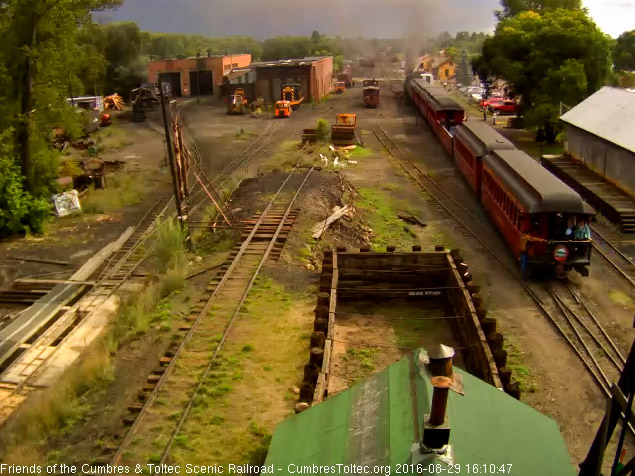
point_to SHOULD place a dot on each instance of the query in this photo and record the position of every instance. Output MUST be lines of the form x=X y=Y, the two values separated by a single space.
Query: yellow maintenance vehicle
x=283 y=108
x=293 y=94
x=237 y=103
x=343 y=131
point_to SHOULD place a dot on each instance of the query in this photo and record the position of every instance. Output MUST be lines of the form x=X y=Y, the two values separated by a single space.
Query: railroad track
x=16 y=380
x=185 y=368
x=253 y=150
x=436 y=194
x=609 y=251
x=591 y=344
x=582 y=330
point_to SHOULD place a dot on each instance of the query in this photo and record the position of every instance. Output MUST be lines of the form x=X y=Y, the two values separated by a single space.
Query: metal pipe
x=439 y=399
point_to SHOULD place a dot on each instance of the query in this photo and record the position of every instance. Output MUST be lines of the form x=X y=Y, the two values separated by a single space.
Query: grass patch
x=516 y=363
x=242 y=134
x=381 y=212
x=624 y=300
x=361 y=152
x=122 y=189
x=366 y=357
x=266 y=298
x=392 y=186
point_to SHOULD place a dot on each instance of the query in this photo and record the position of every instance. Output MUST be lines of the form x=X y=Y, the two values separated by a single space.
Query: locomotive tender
x=534 y=211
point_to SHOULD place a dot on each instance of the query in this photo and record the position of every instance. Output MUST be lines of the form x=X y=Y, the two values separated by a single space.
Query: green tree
x=452 y=53
x=547 y=58
x=19 y=210
x=514 y=7
x=624 y=51
x=42 y=55
x=445 y=39
x=464 y=72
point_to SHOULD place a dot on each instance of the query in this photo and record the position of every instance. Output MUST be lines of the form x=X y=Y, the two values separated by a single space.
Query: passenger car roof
x=480 y=138
x=537 y=189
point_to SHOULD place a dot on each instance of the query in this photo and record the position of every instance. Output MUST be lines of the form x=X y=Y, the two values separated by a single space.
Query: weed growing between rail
x=261 y=360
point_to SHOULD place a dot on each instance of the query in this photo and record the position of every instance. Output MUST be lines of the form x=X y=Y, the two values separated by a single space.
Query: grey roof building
x=601 y=133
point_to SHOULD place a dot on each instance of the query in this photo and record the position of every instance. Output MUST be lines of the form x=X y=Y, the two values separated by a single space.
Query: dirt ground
x=554 y=380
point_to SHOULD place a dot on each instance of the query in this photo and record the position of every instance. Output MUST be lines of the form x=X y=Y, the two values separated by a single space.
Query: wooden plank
x=38 y=260
x=333 y=300
x=326 y=358
x=318 y=395
x=93 y=264
x=27 y=282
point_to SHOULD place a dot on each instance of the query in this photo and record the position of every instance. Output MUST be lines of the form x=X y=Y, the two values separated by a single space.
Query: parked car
x=504 y=107
x=490 y=102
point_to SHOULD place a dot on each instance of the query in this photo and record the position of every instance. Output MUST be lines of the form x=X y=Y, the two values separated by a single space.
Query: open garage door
x=174 y=79
x=202 y=83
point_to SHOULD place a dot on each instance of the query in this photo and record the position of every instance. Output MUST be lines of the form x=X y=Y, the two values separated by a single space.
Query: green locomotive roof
x=377 y=421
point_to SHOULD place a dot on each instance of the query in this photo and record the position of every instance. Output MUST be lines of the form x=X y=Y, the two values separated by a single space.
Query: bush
x=20 y=211
x=322 y=130
x=169 y=251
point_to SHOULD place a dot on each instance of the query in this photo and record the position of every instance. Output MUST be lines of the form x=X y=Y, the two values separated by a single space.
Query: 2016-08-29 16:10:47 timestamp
x=475 y=468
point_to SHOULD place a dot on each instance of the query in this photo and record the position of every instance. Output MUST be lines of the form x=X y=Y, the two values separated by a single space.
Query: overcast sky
x=370 y=18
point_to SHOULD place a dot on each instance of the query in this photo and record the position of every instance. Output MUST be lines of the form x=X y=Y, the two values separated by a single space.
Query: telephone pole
x=176 y=178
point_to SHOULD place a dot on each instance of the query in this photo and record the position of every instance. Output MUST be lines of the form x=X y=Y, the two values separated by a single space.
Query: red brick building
x=314 y=74
x=196 y=76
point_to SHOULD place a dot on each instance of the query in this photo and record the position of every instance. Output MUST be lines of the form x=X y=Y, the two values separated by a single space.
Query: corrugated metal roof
x=290 y=62
x=237 y=73
x=376 y=422
x=609 y=114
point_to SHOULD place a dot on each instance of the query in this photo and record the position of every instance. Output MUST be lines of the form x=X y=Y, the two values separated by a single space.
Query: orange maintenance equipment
x=283 y=108
x=343 y=131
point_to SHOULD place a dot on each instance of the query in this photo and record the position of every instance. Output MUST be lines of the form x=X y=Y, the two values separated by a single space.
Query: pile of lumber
x=114 y=101
x=319 y=229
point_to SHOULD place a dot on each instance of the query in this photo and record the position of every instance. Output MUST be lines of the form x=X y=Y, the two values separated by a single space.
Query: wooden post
x=173 y=171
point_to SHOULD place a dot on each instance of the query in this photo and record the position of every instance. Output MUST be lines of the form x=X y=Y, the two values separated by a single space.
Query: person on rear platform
x=571 y=228
x=525 y=238
x=582 y=231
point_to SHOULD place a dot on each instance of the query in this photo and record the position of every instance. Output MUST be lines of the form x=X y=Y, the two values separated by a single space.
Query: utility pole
x=175 y=176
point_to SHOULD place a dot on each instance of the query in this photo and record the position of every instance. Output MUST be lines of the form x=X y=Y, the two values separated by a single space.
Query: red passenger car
x=533 y=209
x=441 y=111
x=535 y=212
x=473 y=141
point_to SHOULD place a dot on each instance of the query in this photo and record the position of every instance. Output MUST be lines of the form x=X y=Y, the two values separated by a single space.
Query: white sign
x=66 y=203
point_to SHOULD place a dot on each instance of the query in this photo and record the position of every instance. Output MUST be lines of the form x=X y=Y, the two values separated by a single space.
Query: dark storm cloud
x=262 y=19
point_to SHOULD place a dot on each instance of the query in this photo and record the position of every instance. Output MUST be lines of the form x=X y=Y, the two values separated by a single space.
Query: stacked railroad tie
x=494 y=338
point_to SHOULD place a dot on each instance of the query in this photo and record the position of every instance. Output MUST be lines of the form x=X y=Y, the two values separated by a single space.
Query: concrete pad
x=76 y=343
